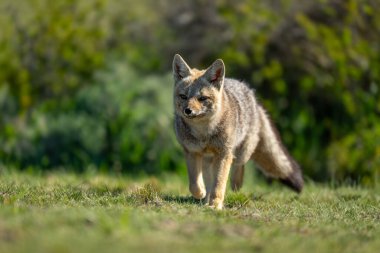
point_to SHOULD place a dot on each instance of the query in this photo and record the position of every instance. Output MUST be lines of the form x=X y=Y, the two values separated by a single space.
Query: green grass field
x=64 y=212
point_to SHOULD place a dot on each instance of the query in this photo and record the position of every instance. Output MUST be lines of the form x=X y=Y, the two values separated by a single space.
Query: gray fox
x=220 y=125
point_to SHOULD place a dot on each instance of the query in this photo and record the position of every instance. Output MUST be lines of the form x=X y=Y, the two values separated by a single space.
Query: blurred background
x=88 y=83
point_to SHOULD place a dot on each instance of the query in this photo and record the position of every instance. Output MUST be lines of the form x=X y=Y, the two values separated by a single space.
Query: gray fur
x=227 y=129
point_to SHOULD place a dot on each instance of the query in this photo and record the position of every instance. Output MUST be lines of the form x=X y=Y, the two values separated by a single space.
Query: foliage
x=122 y=121
x=49 y=48
x=315 y=66
x=347 y=160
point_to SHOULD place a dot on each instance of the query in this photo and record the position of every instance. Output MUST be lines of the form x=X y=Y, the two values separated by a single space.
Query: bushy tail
x=273 y=158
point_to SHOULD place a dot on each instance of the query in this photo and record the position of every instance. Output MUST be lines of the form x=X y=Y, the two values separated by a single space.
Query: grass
x=63 y=212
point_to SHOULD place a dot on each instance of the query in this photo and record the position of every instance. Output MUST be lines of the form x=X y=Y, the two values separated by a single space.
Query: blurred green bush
x=316 y=67
x=66 y=98
x=50 y=48
x=122 y=121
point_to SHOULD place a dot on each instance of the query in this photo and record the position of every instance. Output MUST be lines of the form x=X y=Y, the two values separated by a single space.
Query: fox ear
x=180 y=68
x=215 y=73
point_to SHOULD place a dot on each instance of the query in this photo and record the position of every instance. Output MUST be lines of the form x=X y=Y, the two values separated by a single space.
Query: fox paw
x=216 y=204
x=197 y=192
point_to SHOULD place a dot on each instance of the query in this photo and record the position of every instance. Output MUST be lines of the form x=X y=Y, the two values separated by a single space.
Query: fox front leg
x=222 y=164
x=194 y=170
x=208 y=176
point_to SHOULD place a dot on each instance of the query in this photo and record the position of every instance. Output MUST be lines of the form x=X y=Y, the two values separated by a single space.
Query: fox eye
x=183 y=96
x=202 y=98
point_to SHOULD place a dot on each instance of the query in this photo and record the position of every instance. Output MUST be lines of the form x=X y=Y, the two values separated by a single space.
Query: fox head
x=197 y=93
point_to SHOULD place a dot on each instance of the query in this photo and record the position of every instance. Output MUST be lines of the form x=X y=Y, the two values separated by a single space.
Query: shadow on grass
x=181 y=199
x=232 y=199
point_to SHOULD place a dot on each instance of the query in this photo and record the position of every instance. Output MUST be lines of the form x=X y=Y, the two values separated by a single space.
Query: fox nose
x=188 y=111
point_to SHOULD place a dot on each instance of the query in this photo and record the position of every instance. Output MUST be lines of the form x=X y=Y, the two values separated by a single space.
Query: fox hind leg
x=237 y=176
